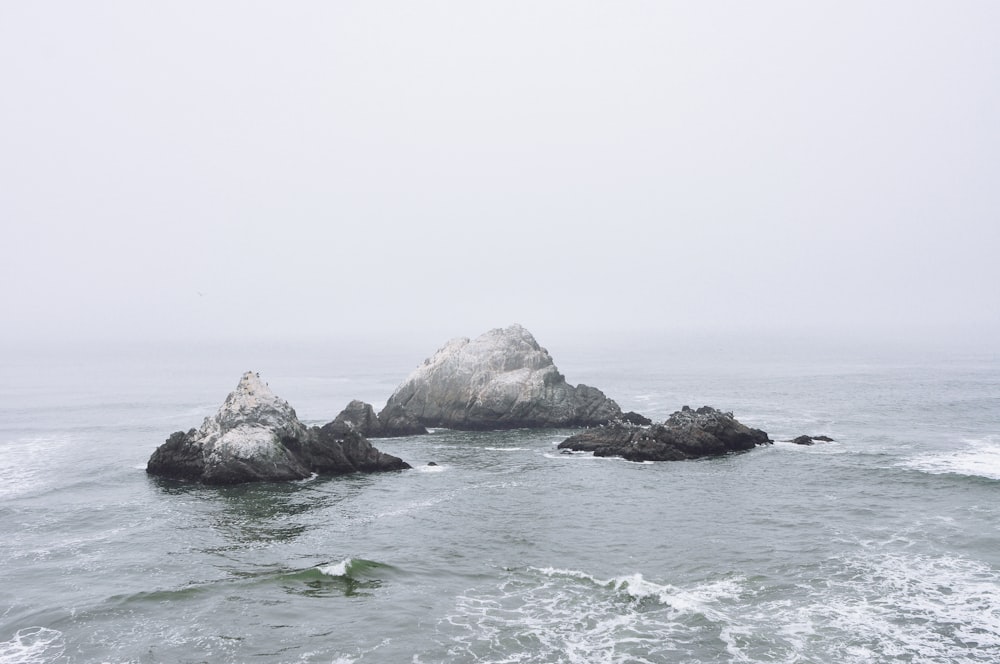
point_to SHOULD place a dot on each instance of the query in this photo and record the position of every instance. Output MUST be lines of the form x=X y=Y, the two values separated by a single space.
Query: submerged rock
x=687 y=434
x=809 y=440
x=500 y=380
x=390 y=423
x=256 y=436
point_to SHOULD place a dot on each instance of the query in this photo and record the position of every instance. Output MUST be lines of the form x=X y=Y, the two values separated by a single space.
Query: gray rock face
x=500 y=380
x=256 y=436
x=361 y=417
x=687 y=434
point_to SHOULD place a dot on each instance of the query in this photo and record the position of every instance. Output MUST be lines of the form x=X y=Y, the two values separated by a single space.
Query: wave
x=821 y=447
x=351 y=567
x=572 y=454
x=635 y=586
x=33 y=645
x=345 y=577
x=979 y=458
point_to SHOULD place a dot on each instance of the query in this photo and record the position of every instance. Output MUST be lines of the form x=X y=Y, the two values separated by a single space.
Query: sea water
x=881 y=546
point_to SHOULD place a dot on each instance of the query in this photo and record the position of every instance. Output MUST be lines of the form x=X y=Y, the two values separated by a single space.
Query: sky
x=256 y=170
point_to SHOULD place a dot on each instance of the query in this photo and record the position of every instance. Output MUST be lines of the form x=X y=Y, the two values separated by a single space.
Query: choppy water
x=882 y=546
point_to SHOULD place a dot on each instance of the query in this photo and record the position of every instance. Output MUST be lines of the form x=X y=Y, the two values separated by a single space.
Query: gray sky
x=240 y=169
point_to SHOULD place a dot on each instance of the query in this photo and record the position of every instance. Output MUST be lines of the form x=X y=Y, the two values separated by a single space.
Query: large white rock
x=500 y=380
x=251 y=423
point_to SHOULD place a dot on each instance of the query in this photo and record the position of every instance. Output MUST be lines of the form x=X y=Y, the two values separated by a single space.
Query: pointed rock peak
x=251 y=383
x=253 y=402
x=250 y=392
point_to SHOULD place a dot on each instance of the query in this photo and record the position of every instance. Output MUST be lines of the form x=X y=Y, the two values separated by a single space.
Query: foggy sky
x=214 y=170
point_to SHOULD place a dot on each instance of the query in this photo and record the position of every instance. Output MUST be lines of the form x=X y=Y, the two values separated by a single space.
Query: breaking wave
x=979 y=458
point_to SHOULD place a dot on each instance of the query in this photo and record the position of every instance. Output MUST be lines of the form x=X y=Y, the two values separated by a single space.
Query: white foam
x=572 y=454
x=507 y=449
x=431 y=469
x=567 y=615
x=978 y=458
x=878 y=606
x=33 y=645
x=337 y=569
x=869 y=605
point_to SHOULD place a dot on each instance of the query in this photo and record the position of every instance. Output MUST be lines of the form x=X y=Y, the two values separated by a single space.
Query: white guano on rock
x=502 y=379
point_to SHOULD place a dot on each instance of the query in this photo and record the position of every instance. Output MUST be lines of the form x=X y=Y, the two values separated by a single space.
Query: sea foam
x=337 y=569
x=32 y=645
x=868 y=605
x=565 y=615
x=978 y=458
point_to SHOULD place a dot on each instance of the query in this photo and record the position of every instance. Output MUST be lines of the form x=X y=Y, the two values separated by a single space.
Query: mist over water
x=880 y=546
x=785 y=210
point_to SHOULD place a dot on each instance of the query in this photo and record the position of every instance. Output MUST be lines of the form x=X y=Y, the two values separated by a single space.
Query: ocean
x=883 y=546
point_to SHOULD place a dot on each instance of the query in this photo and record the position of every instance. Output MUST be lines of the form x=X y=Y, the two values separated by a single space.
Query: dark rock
x=360 y=416
x=501 y=380
x=809 y=440
x=257 y=436
x=340 y=451
x=390 y=423
x=396 y=421
x=687 y=434
x=636 y=419
x=431 y=463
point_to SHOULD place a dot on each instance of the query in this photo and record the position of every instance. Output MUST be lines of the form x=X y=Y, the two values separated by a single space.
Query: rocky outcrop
x=809 y=440
x=500 y=380
x=687 y=434
x=256 y=436
x=361 y=417
x=396 y=421
x=636 y=419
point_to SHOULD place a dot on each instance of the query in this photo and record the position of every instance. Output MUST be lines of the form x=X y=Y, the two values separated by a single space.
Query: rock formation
x=501 y=380
x=687 y=434
x=256 y=436
x=361 y=417
x=809 y=440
